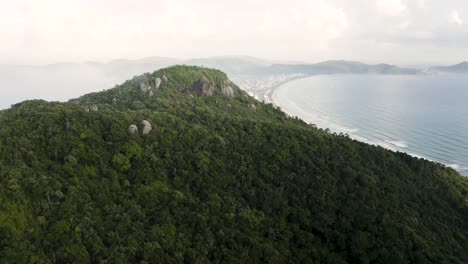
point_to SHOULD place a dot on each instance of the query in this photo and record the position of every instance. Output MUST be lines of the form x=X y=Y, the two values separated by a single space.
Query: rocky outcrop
x=165 y=79
x=253 y=107
x=146 y=127
x=133 y=130
x=228 y=91
x=203 y=87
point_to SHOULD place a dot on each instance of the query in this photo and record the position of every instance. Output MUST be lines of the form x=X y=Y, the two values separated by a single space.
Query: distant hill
x=66 y=80
x=181 y=166
x=457 y=68
x=339 y=66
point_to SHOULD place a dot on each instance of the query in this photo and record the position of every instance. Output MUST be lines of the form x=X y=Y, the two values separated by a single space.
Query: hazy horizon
x=401 y=32
x=269 y=60
x=69 y=34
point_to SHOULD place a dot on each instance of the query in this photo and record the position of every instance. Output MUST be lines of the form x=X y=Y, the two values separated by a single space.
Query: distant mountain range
x=457 y=68
x=62 y=81
x=339 y=66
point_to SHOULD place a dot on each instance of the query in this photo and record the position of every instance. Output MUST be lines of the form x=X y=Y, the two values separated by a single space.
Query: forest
x=220 y=178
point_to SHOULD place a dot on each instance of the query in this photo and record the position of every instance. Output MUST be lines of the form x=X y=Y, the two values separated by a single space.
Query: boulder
x=157 y=83
x=165 y=79
x=228 y=91
x=133 y=130
x=94 y=108
x=151 y=93
x=253 y=107
x=146 y=127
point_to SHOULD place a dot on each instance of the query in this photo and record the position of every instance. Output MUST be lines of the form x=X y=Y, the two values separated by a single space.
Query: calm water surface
x=425 y=116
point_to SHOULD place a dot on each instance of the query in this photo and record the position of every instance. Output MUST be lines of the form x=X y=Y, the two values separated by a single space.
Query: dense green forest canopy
x=219 y=178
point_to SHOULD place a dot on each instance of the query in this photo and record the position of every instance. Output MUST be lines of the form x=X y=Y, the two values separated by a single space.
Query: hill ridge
x=204 y=176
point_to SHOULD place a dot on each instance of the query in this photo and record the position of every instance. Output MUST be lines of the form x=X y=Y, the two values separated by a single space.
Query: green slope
x=216 y=180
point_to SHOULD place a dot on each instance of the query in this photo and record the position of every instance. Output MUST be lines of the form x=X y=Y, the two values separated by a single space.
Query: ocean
x=423 y=115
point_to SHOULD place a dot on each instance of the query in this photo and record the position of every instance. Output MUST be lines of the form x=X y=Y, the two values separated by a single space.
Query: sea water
x=423 y=115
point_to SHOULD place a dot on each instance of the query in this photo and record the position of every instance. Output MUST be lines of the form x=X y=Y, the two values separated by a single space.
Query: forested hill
x=181 y=166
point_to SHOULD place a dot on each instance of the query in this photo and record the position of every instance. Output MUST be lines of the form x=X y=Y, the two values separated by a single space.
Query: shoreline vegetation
x=182 y=166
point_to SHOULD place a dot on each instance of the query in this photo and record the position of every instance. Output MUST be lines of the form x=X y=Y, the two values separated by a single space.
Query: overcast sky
x=405 y=32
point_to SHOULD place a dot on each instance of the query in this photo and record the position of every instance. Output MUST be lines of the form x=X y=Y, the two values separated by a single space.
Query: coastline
x=276 y=101
x=273 y=97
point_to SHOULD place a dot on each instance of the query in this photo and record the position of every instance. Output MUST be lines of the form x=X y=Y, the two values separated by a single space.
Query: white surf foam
x=323 y=121
x=397 y=143
x=454 y=166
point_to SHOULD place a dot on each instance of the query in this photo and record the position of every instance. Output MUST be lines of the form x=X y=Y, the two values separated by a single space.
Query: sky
x=404 y=32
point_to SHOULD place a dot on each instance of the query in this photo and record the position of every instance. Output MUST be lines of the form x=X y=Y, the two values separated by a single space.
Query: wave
x=461 y=169
x=397 y=143
x=320 y=119
x=323 y=120
x=454 y=166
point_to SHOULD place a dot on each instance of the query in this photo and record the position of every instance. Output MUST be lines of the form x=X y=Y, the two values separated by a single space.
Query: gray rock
x=228 y=91
x=157 y=83
x=133 y=130
x=94 y=108
x=165 y=79
x=253 y=107
x=204 y=80
x=203 y=87
x=144 y=87
x=151 y=93
x=146 y=127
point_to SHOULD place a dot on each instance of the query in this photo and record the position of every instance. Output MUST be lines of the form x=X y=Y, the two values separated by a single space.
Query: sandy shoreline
x=274 y=97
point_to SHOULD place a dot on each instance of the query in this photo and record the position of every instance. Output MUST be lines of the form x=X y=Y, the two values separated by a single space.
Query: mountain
x=457 y=68
x=62 y=81
x=337 y=67
x=180 y=165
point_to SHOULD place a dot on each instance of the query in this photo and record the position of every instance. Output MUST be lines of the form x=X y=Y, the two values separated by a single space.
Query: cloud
x=71 y=30
x=454 y=18
x=392 y=7
x=48 y=31
x=421 y=3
